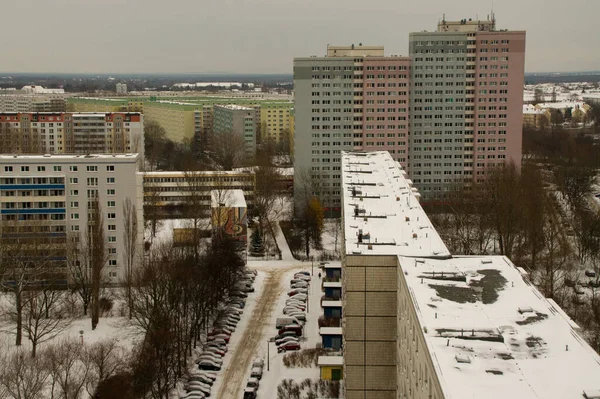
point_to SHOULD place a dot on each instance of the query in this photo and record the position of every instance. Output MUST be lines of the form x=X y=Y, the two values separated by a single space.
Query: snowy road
x=236 y=373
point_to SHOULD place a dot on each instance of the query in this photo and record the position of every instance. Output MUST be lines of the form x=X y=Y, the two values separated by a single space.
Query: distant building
x=16 y=102
x=32 y=89
x=71 y=133
x=94 y=104
x=534 y=118
x=48 y=195
x=239 y=120
x=168 y=194
x=121 y=88
x=420 y=323
x=229 y=215
x=592 y=98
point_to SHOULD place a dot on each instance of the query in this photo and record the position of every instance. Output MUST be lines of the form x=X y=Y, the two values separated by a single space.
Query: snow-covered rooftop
x=235 y=107
x=331 y=304
x=332 y=284
x=382 y=214
x=53 y=157
x=228 y=198
x=330 y=331
x=330 y=361
x=494 y=335
x=531 y=109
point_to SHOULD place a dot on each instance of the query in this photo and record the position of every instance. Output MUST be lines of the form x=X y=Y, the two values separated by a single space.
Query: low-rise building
x=49 y=196
x=229 y=215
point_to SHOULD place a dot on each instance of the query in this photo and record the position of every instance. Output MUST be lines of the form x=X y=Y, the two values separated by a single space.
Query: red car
x=288 y=346
x=294 y=328
x=224 y=337
x=218 y=331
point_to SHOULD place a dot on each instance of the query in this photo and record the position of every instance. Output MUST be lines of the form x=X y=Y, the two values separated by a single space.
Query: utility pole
x=268 y=355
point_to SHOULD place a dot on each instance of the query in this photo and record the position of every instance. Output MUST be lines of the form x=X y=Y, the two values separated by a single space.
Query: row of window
x=58 y=168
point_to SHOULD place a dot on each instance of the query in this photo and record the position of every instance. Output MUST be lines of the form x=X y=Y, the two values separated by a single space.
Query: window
x=112 y=239
x=110 y=191
x=57 y=168
x=112 y=262
x=74 y=228
x=110 y=180
x=112 y=251
x=73 y=180
x=92 y=168
x=110 y=168
x=8 y=168
x=111 y=204
x=41 y=168
x=72 y=168
x=24 y=168
x=112 y=227
x=74 y=204
x=74 y=192
x=92 y=181
x=112 y=215
x=74 y=216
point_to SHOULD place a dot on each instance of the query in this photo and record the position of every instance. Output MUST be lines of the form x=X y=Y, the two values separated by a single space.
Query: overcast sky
x=263 y=36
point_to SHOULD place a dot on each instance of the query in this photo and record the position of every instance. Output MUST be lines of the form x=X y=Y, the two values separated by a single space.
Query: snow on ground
x=277 y=371
x=238 y=335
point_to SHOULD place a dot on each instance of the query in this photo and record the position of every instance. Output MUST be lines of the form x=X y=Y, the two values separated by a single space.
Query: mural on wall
x=233 y=221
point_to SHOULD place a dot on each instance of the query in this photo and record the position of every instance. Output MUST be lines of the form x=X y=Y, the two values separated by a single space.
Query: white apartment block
x=15 y=102
x=121 y=88
x=72 y=133
x=419 y=323
x=54 y=190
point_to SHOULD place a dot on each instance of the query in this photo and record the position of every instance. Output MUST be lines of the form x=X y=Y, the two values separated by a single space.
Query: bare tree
x=68 y=369
x=97 y=253
x=80 y=269
x=21 y=376
x=27 y=257
x=45 y=315
x=308 y=210
x=154 y=142
x=130 y=239
x=105 y=359
x=229 y=149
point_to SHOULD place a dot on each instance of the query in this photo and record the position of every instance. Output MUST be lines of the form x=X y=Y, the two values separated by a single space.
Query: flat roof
x=330 y=361
x=492 y=333
x=382 y=215
x=234 y=107
x=228 y=198
x=330 y=330
x=53 y=157
x=175 y=173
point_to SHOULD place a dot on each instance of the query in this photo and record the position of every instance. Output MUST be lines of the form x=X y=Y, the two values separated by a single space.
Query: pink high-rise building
x=466 y=104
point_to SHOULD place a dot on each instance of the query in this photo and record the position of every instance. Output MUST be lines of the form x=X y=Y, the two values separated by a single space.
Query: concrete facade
x=54 y=190
x=466 y=104
x=71 y=133
x=352 y=99
x=239 y=120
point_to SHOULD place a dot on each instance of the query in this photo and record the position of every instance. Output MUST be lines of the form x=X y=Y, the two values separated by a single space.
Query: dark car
x=208 y=365
x=288 y=346
x=286 y=334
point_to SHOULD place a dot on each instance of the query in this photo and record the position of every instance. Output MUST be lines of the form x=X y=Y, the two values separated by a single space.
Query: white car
x=291 y=309
x=299 y=285
x=301 y=276
x=286 y=339
x=300 y=297
x=299 y=315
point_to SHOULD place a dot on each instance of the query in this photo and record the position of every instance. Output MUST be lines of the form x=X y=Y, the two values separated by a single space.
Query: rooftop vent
x=525 y=309
x=486 y=261
x=591 y=393
x=462 y=358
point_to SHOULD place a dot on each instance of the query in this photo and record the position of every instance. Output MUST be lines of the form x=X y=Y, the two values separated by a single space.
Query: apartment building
x=239 y=120
x=354 y=98
x=96 y=104
x=420 y=323
x=49 y=195
x=33 y=102
x=166 y=194
x=466 y=103
x=121 y=89
x=71 y=133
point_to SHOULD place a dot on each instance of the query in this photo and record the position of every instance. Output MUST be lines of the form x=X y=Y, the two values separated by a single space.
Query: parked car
x=300 y=276
x=258 y=362
x=590 y=273
x=219 y=341
x=296 y=329
x=256 y=372
x=238 y=294
x=299 y=285
x=224 y=337
x=289 y=346
x=217 y=345
x=208 y=365
x=299 y=315
x=299 y=296
x=298 y=280
x=286 y=339
x=296 y=303
x=210 y=355
x=286 y=321
x=297 y=291
x=247 y=270
x=216 y=351
x=594 y=283
x=253 y=383
x=201 y=378
x=292 y=308
x=198 y=388
x=219 y=330
x=209 y=374
x=197 y=384
x=194 y=395
x=250 y=393
x=286 y=334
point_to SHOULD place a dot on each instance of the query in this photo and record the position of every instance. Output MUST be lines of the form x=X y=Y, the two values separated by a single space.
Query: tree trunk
x=19 y=300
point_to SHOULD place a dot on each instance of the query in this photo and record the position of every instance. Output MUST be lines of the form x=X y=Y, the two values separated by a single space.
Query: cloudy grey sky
x=263 y=36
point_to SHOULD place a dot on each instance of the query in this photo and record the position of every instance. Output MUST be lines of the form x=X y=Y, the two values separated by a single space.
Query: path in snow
x=236 y=372
x=286 y=254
